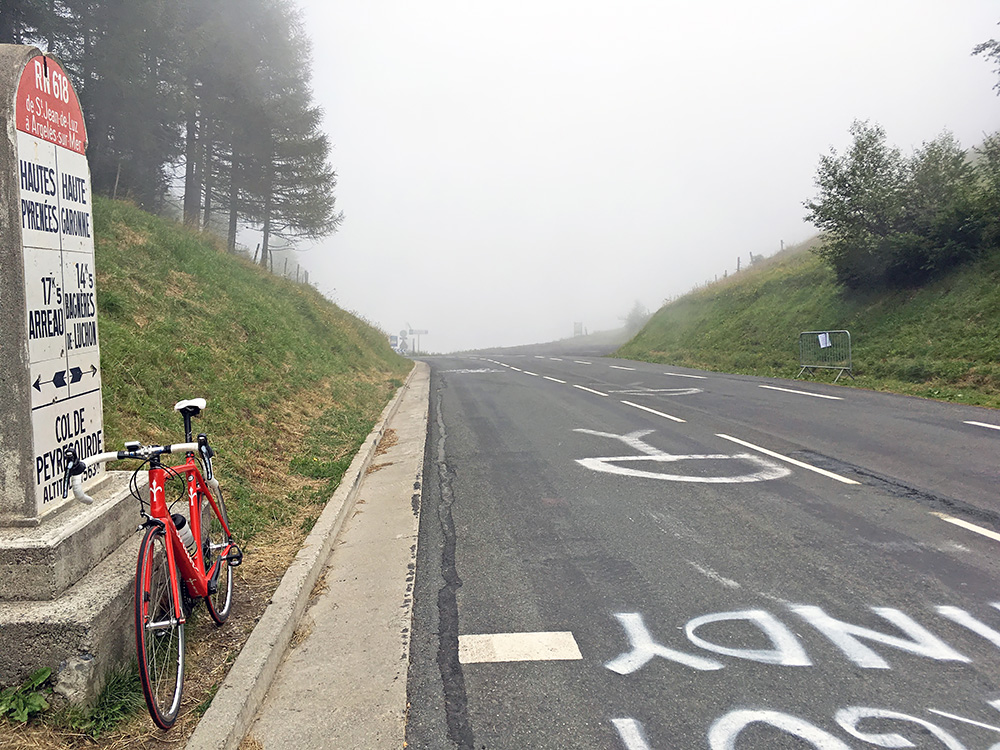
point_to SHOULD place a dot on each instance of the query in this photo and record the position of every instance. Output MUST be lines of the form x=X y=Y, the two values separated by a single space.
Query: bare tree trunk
x=10 y=24
x=50 y=37
x=207 y=172
x=265 y=252
x=234 y=198
x=192 y=192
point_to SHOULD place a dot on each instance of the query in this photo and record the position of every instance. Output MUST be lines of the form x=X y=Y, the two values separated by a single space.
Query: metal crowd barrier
x=825 y=350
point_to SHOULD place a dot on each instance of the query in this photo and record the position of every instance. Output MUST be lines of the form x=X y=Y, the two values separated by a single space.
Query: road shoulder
x=362 y=548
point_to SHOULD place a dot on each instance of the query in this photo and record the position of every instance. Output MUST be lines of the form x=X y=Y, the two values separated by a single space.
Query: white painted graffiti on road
x=764 y=470
x=787 y=650
x=725 y=730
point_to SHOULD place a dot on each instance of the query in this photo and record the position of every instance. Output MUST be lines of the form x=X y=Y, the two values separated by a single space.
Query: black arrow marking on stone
x=58 y=380
x=76 y=374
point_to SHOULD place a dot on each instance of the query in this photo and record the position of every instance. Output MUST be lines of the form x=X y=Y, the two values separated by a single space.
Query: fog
x=507 y=168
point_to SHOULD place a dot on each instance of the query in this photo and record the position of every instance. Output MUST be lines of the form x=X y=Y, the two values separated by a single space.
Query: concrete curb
x=238 y=700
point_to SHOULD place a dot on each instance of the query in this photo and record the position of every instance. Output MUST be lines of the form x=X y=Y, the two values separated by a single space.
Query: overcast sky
x=509 y=167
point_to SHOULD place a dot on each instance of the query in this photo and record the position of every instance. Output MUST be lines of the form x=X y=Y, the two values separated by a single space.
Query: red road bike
x=174 y=571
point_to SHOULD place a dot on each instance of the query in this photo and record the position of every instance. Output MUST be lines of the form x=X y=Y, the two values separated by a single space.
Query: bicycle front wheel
x=159 y=637
x=215 y=543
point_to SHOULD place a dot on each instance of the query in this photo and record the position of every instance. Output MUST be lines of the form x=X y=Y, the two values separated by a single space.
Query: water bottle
x=183 y=530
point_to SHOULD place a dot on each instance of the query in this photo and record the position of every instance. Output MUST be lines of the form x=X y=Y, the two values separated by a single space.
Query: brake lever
x=74 y=468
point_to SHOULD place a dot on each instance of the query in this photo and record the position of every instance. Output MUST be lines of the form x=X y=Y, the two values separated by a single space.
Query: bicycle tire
x=220 y=603
x=160 y=649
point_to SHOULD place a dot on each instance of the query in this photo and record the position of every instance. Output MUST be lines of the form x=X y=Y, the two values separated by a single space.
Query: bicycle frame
x=191 y=569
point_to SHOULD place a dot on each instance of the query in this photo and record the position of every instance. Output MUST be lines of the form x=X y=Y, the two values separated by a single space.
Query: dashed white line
x=533 y=374
x=962 y=718
x=966 y=525
x=589 y=390
x=801 y=393
x=619 y=367
x=555 y=359
x=516 y=369
x=792 y=461
x=581 y=362
x=709 y=573
x=555 y=380
x=984 y=424
x=654 y=411
x=501 y=647
x=682 y=375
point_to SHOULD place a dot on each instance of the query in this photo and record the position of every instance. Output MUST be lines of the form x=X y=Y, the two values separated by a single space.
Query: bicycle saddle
x=192 y=406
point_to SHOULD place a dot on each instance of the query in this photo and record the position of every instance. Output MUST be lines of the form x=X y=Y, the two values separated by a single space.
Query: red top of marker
x=47 y=106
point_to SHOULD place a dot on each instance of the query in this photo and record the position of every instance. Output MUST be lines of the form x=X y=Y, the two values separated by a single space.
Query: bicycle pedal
x=235 y=557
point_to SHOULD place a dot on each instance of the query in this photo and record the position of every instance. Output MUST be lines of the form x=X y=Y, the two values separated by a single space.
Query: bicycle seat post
x=186 y=413
x=189 y=409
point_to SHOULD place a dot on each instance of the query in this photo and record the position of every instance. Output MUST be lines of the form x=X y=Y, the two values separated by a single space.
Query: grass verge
x=938 y=341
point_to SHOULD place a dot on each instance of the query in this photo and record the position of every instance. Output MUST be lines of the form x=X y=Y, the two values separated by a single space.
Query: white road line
x=516 y=369
x=984 y=424
x=555 y=380
x=532 y=374
x=619 y=367
x=581 y=362
x=792 y=461
x=962 y=718
x=555 y=359
x=967 y=525
x=539 y=356
x=729 y=583
x=654 y=411
x=588 y=390
x=801 y=393
x=498 y=647
x=681 y=375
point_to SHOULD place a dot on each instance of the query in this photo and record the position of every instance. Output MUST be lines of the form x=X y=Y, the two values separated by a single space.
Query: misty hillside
x=938 y=341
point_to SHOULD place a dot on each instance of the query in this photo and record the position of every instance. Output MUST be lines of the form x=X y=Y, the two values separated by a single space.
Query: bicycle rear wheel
x=159 y=637
x=220 y=603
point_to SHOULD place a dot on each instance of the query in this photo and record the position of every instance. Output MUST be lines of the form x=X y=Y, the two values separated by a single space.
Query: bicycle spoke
x=159 y=635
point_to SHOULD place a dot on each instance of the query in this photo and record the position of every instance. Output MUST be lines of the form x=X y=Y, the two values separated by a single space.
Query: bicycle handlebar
x=75 y=468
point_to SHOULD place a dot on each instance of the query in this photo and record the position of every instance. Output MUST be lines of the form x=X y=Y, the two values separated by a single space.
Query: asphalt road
x=624 y=555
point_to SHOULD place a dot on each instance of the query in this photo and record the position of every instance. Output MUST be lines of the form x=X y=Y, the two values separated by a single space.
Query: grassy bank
x=939 y=341
x=293 y=383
